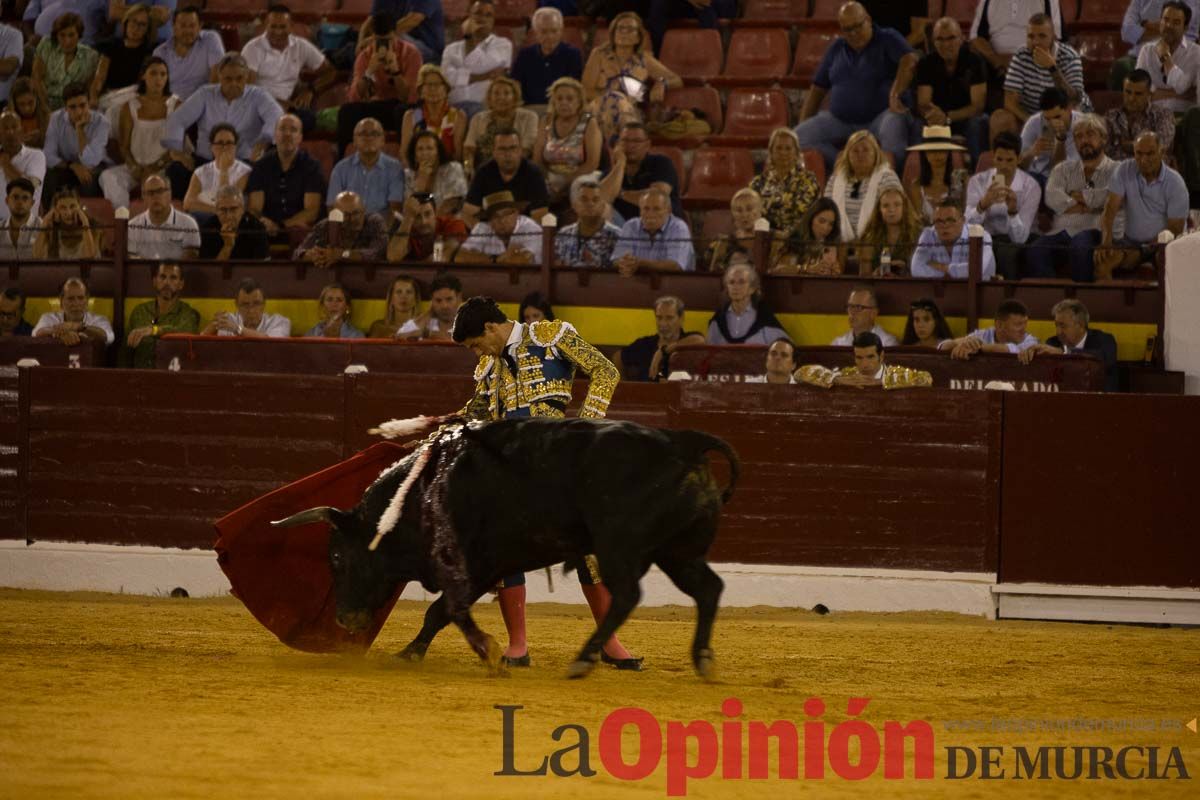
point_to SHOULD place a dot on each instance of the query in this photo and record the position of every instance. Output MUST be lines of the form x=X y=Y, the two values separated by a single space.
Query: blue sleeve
x=624 y=244
x=181 y=119
x=97 y=147
x=1028 y=133
x=335 y=183
x=1177 y=196
x=396 y=185
x=822 y=78
x=50 y=149
x=1131 y=25
x=269 y=112
x=920 y=259
x=32 y=11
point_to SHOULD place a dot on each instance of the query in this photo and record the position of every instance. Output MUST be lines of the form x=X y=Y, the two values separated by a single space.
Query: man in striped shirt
x=1043 y=62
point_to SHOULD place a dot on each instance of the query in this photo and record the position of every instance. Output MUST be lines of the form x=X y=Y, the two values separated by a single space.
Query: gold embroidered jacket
x=546 y=358
x=894 y=377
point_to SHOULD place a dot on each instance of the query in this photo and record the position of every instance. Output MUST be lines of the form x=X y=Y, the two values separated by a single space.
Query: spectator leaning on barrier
x=166 y=313
x=591 y=239
x=251 y=320
x=73 y=323
x=745 y=318
x=869 y=370
x=1155 y=199
x=420 y=233
x=1136 y=115
x=233 y=232
x=12 y=313
x=1076 y=193
x=363 y=236
x=1009 y=335
x=334 y=303
x=862 y=308
x=162 y=231
x=1073 y=335
x=655 y=240
x=1004 y=200
x=649 y=358
x=780 y=366
x=18 y=160
x=503 y=235
x=867 y=72
x=21 y=226
x=943 y=251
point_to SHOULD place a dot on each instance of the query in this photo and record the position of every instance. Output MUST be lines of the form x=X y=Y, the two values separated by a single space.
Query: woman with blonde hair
x=891 y=235
x=746 y=207
x=60 y=59
x=403 y=319
x=334 y=306
x=434 y=113
x=788 y=189
x=860 y=173
x=569 y=141
x=622 y=75
x=502 y=109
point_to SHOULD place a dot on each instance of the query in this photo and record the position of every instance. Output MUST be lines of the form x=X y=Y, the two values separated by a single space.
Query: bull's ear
x=318 y=514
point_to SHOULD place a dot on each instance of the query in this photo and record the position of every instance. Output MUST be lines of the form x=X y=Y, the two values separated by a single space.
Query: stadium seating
x=1104 y=100
x=694 y=55
x=961 y=10
x=676 y=156
x=774 y=13
x=756 y=57
x=716 y=174
x=984 y=163
x=323 y=152
x=751 y=115
x=824 y=13
x=810 y=49
x=815 y=163
x=1099 y=49
x=455 y=9
x=515 y=10
x=705 y=98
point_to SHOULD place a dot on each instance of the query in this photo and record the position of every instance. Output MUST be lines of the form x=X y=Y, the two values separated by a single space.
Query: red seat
x=249 y=9
x=810 y=49
x=772 y=12
x=717 y=173
x=694 y=54
x=319 y=8
x=515 y=9
x=323 y=152
x=572 y=34
x=757 y=54
x=716 y=222
x=705 y=98
x=815 y=163
x=1098 y=50
x=100 y=218
x=1073 y=9
x=754 y=113
x=455 y=9
x=824 y=13
x=676 y=156
x=1104 y=100
x=1094 y=14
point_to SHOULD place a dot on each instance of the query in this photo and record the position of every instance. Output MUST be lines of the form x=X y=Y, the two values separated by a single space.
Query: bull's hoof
x=706 y=665
x=580 y=668
x=493 y=656
x=414 y=653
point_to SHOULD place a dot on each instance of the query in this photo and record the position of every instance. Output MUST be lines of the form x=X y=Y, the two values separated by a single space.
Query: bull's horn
x=318 y=514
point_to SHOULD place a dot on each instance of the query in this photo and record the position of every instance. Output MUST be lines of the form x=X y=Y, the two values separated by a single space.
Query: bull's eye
x=335 y=560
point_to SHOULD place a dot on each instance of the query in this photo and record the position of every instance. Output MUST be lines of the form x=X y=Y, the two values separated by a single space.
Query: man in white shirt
x=277 y=58
x=74 y=322
x=1000 y=26
x=162 y=232
x=1171 y=60
x=1076 y=193
x=17 y=160
x=21 y=224
x=472 y=62
x=251 y=321
x=1004 y=200
x=1008 y=336
x=504 y=236
x=862 y=307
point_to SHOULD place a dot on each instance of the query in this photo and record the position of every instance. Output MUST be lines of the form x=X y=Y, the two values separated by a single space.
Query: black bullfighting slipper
x=631 y=664
x=518 y=661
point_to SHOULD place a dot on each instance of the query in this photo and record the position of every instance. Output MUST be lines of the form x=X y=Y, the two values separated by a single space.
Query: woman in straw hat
x=940 y=177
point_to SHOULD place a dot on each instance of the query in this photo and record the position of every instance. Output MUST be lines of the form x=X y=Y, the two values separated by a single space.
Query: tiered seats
x=515 y=11
x=322 y=152
x=810 y=49
x=751 y=115
x=961 y=10
x=705 y=98
x=756 y=57
x=815 y=163
x=694 y=55
x=676 y=156
x=717 y=173
x=824 y=13
x=1098 y=50
x=774 y=13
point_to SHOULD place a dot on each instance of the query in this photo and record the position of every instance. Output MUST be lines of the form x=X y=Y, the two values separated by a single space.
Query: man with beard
x=286 y=187
x=415 y=237
x=166 y=313
x=74 y=322
x=1076 y=192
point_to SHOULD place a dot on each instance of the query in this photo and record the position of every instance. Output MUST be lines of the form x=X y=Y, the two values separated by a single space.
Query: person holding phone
x=1004 y=200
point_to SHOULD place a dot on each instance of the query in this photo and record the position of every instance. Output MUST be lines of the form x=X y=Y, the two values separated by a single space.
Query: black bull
x=519 y=495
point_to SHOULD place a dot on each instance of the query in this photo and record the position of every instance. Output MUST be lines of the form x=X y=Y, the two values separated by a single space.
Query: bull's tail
x=698 y=443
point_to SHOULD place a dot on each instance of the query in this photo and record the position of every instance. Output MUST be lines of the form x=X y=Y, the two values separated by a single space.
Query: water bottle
x=439 y=249
x=885 y=262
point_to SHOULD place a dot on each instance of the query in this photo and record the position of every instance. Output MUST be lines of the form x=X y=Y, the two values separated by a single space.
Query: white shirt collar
x=514 y=338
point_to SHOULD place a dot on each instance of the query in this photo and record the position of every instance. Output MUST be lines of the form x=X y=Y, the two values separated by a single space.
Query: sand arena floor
x=120 y=696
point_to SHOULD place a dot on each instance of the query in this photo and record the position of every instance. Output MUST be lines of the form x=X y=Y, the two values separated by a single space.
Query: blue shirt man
x=546 y=59
x=249 y=109
x=655 y=240
x=380 y=183
x=42 y=14
x=1151 y=205
x=943 y=248
x=190 y=53
x=12 y=45
x=62 y=142
x=867 y=72
x=420 y=22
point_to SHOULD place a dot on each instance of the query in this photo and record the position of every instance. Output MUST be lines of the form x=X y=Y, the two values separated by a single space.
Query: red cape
x=282 y=574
